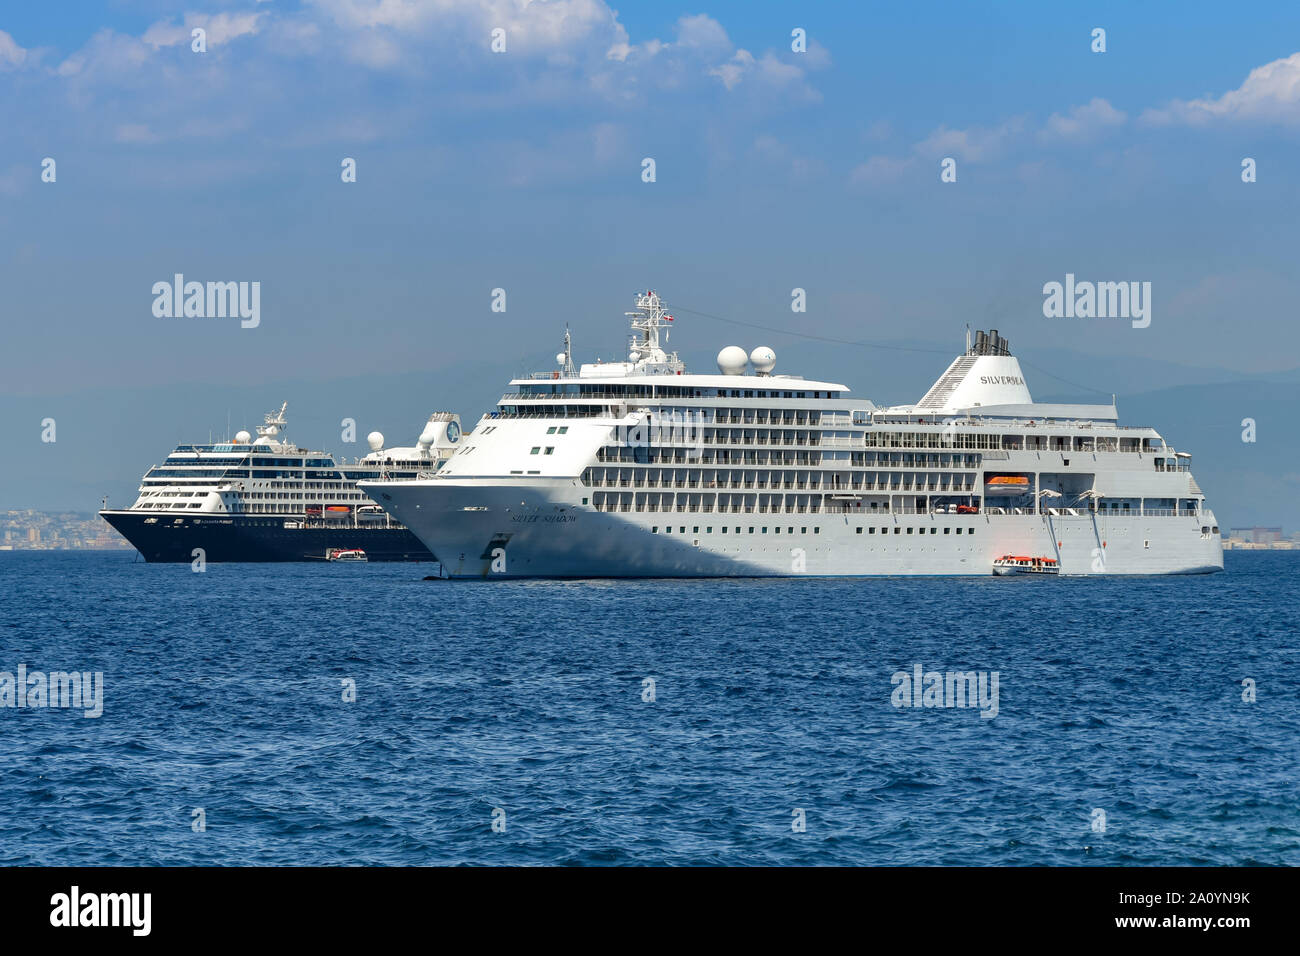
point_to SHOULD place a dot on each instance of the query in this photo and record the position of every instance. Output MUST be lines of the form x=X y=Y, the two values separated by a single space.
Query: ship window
x=708 y=530
x=934 y=531
x=764 y=531
x=536 y=449
x=551 y=430
x=803 y=530
x=859 y=531
x=550 y=449
x=970 y=530
x=898 y=531
x=751 y=530
x=946 y=530
x=778 y=530
x=909 y=530
x=654 y=529
x=682 y=529
x=695 y=529
x=817 y=530
x=564 y=429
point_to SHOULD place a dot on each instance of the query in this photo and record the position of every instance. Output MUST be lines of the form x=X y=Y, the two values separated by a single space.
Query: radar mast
x=644 y=351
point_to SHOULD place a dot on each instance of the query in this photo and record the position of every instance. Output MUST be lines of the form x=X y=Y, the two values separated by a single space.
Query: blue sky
x=522 y=170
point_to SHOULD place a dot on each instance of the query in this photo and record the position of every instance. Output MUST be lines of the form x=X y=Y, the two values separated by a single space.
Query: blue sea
x=769 y=733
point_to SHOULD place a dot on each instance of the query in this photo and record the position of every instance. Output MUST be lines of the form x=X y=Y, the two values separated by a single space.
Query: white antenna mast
x=568 y=352
x=644 y=350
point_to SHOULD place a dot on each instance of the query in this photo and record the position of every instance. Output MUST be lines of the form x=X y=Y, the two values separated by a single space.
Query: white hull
x=540 y=529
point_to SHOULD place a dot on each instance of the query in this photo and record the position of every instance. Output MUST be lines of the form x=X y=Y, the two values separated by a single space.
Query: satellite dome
x=763 y=359
x=559 y=358
x=375 y=440
x=243 y=438
x=428 y=436
x=732 y=360
x=633 y=355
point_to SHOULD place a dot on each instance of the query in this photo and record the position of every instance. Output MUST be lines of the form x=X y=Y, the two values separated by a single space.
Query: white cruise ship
x=642 y=469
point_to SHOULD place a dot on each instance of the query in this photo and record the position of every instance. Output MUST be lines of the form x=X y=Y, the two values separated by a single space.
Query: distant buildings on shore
x=1260 y=539
x=30 y=530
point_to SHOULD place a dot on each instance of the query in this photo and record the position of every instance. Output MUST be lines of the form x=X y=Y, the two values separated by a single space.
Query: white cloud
x=12 y=56
x=107 y=53
x=560 y=54
x=531 y=28
x=976 y=144
x=734 y=70
x=1271 y=94
x=220 y=28
x=702 y=32
x=1083 y=122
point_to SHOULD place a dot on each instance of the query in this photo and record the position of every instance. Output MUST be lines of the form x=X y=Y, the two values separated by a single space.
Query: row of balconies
x=723 y=418
x=815 y=485
x=623 y=507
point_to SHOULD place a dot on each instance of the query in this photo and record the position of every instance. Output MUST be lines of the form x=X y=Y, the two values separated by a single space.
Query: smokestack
x=981 y=343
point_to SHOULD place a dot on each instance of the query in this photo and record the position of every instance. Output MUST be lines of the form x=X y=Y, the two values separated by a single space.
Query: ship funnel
x=986 y=375
x=990 y=343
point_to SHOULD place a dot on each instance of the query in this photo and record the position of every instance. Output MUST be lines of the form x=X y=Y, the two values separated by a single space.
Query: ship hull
x=503 y=530
x=222 y=538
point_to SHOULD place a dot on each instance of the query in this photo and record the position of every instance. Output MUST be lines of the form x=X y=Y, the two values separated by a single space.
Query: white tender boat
x=1024 y=564
x=346 y=554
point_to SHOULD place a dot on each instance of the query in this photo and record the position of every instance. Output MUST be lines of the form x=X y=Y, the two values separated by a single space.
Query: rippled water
x=223 y=691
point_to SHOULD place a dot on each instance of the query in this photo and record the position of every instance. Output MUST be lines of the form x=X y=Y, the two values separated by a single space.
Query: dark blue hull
x=168 y=537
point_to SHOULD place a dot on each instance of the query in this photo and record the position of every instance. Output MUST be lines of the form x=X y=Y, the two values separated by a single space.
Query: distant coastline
x=31 y=530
